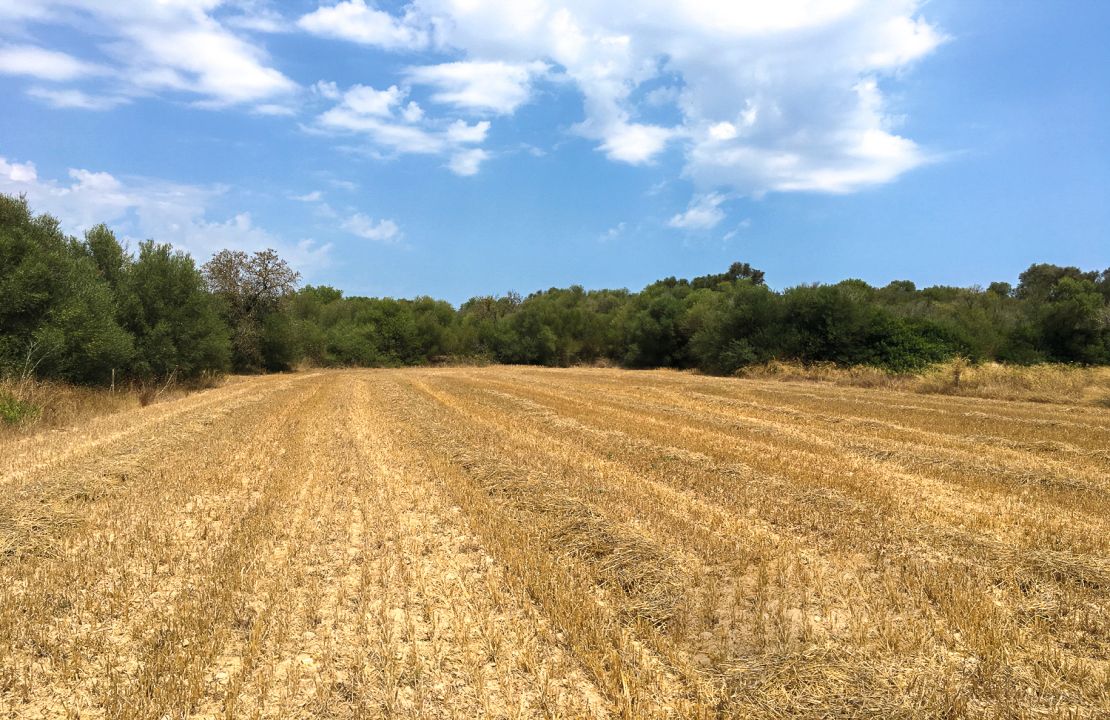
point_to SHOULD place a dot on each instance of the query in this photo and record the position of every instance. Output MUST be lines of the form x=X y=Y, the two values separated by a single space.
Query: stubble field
x=521 y=543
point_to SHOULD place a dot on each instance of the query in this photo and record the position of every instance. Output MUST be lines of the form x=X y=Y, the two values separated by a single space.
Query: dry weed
x=1050 y=383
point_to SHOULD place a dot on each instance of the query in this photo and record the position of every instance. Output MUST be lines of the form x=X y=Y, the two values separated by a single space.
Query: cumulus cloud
x=201 y=58
x=143 y=208
x=704 y=213
x=468 y=162
x=314 y=196
x=366 y=227
x=762 y=97
x=633 y=143
x=390 y=125
x=327 y=90
x=44 y=64
x=152 y=47
x=773 y=96
x=355 y=21
x=496 y=87
x=13 y=173
x=413 y=112
x=368 y=101
x=460 y=132
x=256 y=16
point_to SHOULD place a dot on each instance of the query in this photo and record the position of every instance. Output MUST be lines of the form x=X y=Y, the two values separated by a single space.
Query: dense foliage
x=82 y=310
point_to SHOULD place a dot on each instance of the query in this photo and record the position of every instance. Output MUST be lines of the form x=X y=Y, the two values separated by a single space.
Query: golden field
x=522 y=543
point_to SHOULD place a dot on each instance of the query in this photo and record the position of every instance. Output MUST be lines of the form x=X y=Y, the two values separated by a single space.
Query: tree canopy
x=79 y=309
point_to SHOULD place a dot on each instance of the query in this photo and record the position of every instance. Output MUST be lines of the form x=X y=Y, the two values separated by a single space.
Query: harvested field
x=518 y=542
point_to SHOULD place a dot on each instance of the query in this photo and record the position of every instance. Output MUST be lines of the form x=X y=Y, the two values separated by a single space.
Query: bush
x=172 y=316
x=17 y=412
x=56 y=310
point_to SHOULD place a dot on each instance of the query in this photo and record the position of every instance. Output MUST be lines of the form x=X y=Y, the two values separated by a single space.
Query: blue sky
x=464 y=147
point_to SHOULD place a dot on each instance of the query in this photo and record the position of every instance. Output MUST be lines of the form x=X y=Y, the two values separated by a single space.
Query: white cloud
x=44 y=64
x=72 y=98
x=614 y=232
x=175 y=46
x=388 y=133
x=634 y=143
x=368 y=101
x=460 y=132
x=744 y=224
x=723 y=131
x=467 y=162
x=366 y=227
x=772 y=96
x=314 y=196
x=257 y=17
x=390 y=125
x=17 y=173
x=142 y=208
x=16 y=10
x=412 y=113
x=497 y=87
x=275 y=109
x=704 y=213
x=783 y=96
x=353 y=20
x=205 y=60
x=327 y=89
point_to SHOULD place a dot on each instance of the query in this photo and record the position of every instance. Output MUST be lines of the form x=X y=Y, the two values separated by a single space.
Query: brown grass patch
x=1049 y=383
x=49 y=405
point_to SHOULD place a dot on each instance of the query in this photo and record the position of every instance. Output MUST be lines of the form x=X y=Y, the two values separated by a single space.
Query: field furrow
x=525 y=543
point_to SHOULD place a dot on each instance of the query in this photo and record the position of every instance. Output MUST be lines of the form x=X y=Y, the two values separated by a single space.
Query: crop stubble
x=518 y=542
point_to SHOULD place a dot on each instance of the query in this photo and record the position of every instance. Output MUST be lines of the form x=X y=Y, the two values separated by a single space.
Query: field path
x=528 y=543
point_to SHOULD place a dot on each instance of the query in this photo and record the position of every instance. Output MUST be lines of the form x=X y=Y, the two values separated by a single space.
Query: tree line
x=87 y=310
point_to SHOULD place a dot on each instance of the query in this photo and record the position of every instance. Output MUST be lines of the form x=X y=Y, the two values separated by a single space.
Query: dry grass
x=1051 y=383
x=37 y=405
x=525 y=543
x=47 y=405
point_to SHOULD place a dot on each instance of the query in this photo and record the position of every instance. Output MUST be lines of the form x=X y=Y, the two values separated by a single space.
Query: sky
x=456 y=148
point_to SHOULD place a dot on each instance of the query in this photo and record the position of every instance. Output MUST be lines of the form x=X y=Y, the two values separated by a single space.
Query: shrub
x=54 y=301
x=1046 y=382
x=17 y=412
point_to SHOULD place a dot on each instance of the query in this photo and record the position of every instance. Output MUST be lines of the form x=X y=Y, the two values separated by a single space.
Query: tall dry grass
x=28 y=405
x=1047 y=382
x=39 y=405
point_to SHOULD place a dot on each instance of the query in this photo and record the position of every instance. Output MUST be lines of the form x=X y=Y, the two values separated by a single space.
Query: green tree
x=734 y=328
x=313 y=309
x=1075 y=322
x=652 y=328
x=173 y=318
x=108 y=255
x=249 y=289
x=483 y=328
x=1038 y=280
x=57 y=312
